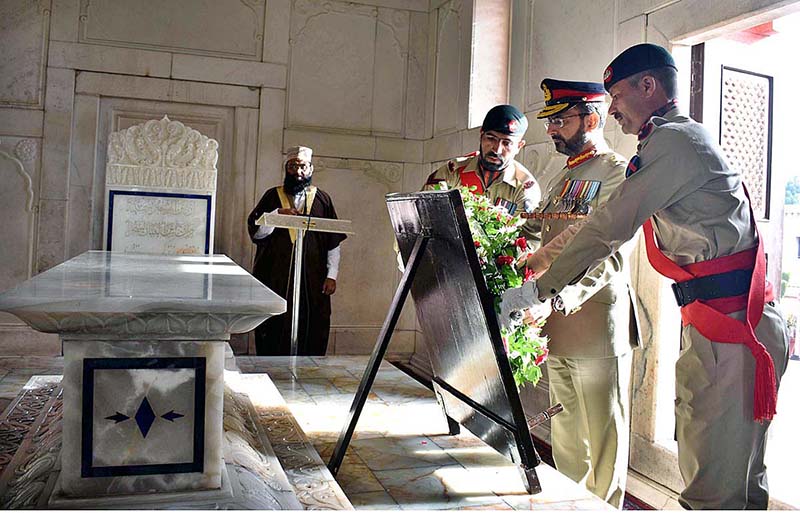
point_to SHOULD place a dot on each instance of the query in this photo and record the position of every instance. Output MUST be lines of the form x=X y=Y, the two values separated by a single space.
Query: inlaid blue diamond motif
x=145 y=416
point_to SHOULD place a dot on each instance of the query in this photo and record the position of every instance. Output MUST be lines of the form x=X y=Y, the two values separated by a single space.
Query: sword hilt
x=544 y=416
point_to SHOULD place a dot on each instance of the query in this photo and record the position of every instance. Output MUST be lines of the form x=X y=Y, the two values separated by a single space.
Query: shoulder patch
x=529 y=184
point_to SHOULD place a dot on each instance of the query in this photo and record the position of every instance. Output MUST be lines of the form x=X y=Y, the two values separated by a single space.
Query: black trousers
x=273 y=336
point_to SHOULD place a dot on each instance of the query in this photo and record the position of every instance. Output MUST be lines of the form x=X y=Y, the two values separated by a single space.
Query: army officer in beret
x=701 y=233
x=492 y=169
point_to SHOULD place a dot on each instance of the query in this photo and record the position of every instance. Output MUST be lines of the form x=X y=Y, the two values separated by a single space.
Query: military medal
x=510 y=206
x=576 y=196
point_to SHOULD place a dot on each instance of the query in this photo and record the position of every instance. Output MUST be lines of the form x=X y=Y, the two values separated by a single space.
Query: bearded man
x=492 y=169
x=594 y=327
x=273 y=261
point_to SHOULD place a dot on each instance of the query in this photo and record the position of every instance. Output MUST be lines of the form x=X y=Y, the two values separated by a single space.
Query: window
x=491 y=45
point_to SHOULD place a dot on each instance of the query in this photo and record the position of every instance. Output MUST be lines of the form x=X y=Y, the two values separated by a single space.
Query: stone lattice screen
x=745 y=131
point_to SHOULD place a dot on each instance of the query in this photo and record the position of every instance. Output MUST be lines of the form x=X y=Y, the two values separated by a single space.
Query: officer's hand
x=517 y=300
x=538 y=263
x=289 y=211
x=329 y=287
x=537 y=313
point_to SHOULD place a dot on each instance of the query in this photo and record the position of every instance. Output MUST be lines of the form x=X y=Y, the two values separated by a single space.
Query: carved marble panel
x=18 y=160
x=117 y=114
x=391 y=54
x=417 y=111
x=161 y=180
x=124 y=410
x=226 y=28
x=24 y=25
x=331 y=77
x=452 y=45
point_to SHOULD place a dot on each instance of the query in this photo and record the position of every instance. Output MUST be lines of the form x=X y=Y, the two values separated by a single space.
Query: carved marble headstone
x=161 y=180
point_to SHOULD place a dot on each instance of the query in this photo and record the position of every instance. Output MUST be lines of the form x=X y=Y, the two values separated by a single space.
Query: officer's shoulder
x=451 y=164
x=521 y=172
x=674 y=134
x=464 y=158
x=525 y=177
x=613 y=159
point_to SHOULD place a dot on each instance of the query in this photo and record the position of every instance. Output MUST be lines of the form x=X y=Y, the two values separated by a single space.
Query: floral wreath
x=499 y=245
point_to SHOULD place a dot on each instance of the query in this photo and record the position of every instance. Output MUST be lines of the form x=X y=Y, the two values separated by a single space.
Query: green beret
x=637 y=58
x=505 y=119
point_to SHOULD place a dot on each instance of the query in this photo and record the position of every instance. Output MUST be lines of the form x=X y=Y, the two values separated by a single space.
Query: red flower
x=477 y=244
x=521 y=243
x=542 y=357
x=529 y=275
x=505 y=260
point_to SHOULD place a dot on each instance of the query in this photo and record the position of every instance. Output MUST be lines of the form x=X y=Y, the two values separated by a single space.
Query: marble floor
x=401 y=456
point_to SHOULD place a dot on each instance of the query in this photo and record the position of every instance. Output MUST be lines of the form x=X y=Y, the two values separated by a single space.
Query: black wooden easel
x=456 y=312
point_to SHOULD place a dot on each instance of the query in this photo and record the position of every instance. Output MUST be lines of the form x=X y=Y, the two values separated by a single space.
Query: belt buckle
x=677 y=291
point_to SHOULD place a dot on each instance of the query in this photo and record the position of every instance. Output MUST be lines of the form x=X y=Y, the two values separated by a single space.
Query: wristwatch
x=558 y=304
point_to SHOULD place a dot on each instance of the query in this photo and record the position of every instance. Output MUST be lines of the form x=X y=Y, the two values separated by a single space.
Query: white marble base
x=153 y=420
x=252 y=477
x=58 y=500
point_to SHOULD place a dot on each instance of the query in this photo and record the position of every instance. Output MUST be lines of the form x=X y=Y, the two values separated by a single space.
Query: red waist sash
x=709 y=317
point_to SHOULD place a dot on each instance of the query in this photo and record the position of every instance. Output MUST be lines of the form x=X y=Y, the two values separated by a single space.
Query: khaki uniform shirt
x=697 y=203
x=600 y=320
x=516 y=185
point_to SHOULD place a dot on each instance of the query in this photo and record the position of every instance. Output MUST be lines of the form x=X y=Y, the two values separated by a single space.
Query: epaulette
x=615 y=158
x=464 y=158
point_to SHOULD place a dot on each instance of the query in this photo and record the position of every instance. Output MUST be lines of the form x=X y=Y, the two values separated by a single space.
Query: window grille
x=745 y=131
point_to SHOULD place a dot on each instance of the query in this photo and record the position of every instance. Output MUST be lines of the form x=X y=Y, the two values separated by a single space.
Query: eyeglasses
x=559 y=122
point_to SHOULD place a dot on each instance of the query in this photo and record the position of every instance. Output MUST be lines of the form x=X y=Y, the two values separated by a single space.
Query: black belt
x=729 y=284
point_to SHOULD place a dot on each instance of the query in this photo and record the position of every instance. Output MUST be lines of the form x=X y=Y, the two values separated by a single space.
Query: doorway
x=741 y=89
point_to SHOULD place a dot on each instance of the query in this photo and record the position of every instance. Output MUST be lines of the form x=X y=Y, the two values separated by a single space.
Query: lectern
x=302 y=224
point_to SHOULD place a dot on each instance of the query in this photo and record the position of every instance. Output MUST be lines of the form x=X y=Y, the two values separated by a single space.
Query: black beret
x=559 y=95
x=635 y=59
x=505 y=119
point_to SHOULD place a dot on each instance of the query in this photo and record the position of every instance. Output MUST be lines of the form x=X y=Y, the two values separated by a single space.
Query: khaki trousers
x=720 y=446
x=590 y=437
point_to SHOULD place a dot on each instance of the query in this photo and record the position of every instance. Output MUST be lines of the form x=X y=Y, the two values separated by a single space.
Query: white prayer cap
x=298 y=152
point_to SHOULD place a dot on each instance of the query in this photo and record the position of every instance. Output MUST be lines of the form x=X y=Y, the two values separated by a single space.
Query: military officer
x=700 y=231
x=593 y=328
x=492 y=169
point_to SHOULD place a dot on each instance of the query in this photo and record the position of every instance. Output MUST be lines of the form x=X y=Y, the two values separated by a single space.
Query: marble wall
x=381 y=89
x=350 y=79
